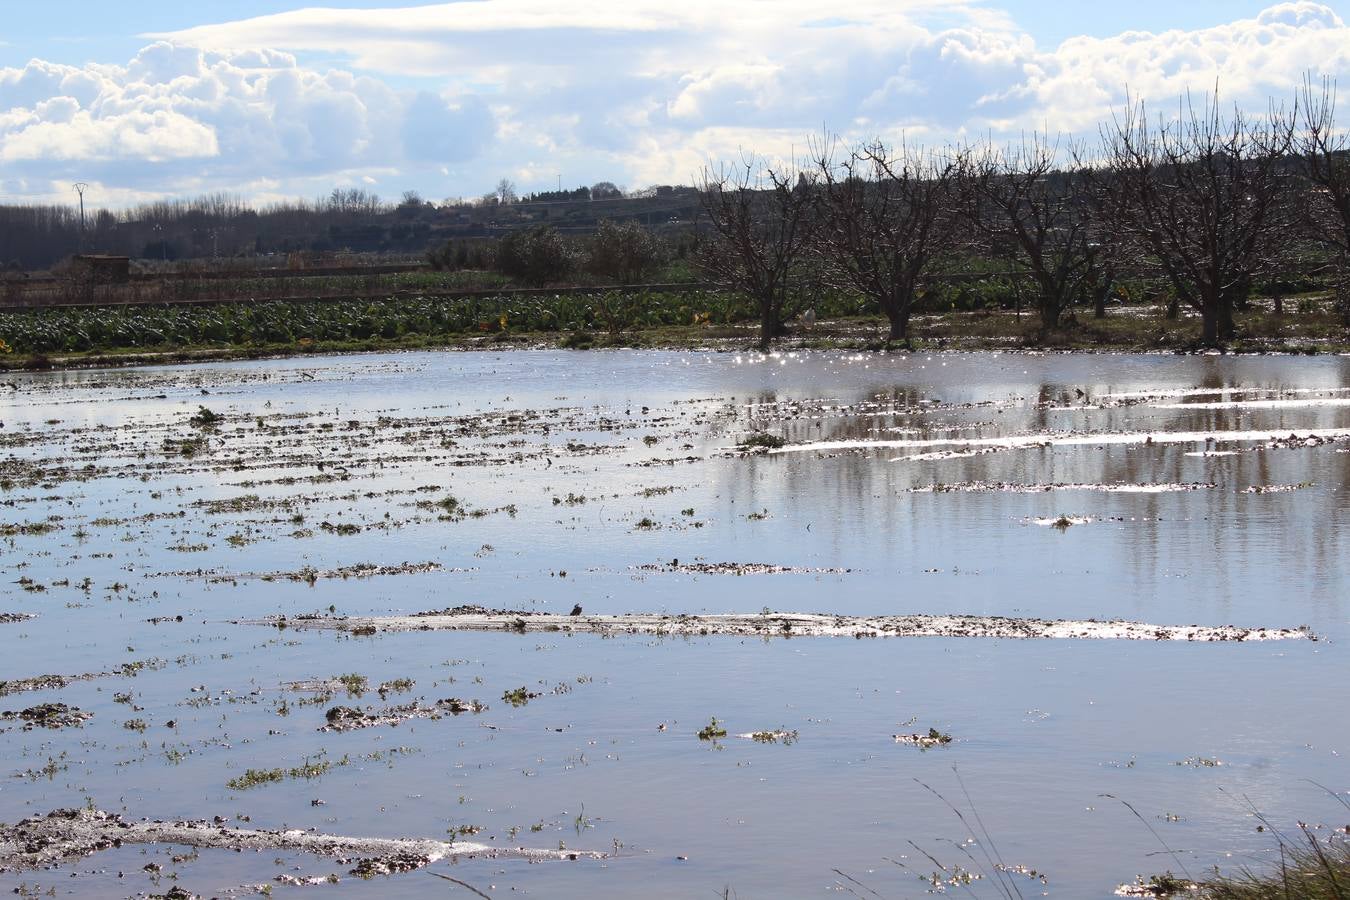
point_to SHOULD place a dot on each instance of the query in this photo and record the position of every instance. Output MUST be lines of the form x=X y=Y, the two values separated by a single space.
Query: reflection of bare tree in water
x=1192 y=552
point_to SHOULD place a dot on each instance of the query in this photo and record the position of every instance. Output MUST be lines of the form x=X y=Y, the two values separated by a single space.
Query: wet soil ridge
x=57 y=681
x=1266 y=440
x=48 y=715
x=311 y=575
x=477 y=618
x=348 y=718
x=730 y=568
x=996 y=487
x=44 y=841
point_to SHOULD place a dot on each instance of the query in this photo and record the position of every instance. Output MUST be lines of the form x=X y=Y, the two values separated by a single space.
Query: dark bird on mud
x=1079 y=393
x=576 y=610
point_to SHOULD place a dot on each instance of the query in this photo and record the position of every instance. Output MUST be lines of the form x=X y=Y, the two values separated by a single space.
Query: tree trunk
x=768 y=326
x=1209 y=323
x=1101 y=292
x=1225 y=319
x=1211 y=317
x=1050 y=311
x=899 y=327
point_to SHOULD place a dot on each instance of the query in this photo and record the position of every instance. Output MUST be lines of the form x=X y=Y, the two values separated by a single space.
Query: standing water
x=208 y=573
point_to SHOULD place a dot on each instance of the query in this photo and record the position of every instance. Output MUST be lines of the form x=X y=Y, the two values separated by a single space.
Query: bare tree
x=1325 y=154
x=505 y=192
x=353 y=202
x=761 y=223
x=1204 y=196
x=1038 y=216
x=883 y=216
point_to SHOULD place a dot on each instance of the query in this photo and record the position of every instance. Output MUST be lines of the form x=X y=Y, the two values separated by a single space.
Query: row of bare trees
x=1206 y=200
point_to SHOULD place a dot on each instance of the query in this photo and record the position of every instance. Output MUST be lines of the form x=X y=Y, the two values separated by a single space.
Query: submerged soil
x=616 y=600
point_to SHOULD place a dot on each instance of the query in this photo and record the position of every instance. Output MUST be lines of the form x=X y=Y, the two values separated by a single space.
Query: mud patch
x=11 y=618
x=310 y=574
x=477 y=618
x=55 y=682
x=348 y=718
x=1271 y=440
x=48 y=715
x=786 y=738
x=44 y=841
x=933 y=738
x=1276 y=488
x=730 y=568
x=996 y=487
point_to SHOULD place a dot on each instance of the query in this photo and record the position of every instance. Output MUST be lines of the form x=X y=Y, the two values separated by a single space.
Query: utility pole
x=80 y=188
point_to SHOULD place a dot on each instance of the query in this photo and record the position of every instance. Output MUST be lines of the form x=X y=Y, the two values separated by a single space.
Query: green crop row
x=72 y=329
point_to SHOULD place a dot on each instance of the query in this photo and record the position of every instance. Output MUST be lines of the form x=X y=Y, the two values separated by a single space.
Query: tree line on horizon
x=222 y=225
x=1206 y=202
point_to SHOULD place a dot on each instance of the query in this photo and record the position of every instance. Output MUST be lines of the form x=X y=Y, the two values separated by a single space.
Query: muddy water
x=1171 y=490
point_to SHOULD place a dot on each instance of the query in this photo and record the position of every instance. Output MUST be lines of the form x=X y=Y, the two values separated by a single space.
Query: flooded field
x=695 y=624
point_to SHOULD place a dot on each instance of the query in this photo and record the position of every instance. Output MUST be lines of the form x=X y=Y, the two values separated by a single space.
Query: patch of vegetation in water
x=307 y=770
x=712 y=731
x=761 y=440
x=355 y=684
x=518 y=697
x=205 y=418
x=397 y=685
x=254 y=777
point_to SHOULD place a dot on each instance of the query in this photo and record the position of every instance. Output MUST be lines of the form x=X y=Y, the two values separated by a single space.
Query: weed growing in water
x=712 y=731
x=761 y=440
x=518 y=697
x=354 y=684
x=205 y=418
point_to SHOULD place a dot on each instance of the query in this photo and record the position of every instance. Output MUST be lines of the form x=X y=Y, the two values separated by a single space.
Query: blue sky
x=273 y=99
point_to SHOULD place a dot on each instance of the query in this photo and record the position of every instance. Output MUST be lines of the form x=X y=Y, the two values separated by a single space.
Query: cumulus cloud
x=178 y=118
x=447 y=97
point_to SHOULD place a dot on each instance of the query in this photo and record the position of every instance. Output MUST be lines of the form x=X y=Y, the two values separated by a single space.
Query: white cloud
x=637 y=91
